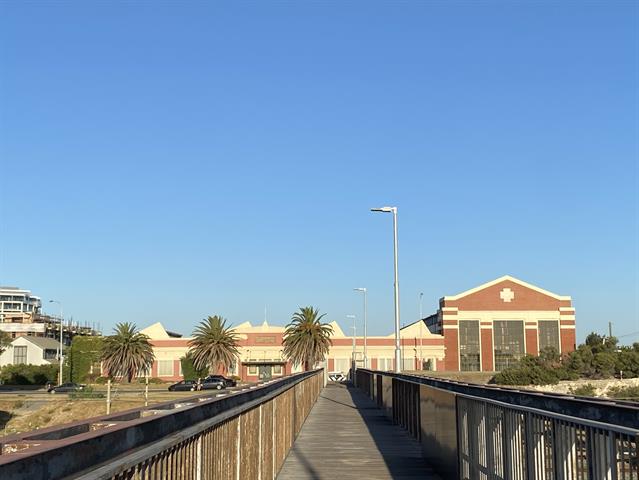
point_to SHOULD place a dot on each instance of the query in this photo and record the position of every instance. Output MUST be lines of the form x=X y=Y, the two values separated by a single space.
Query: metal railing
x=473 y=437
x=245 y=435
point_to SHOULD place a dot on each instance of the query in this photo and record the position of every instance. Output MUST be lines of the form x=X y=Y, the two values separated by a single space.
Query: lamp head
x=383 y=209
x=360 y=289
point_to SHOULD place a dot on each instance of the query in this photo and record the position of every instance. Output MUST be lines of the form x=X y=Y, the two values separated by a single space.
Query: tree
x=214 y=345
x=189 y=372
x=306 y=339
x=5 y=341
x=127 y=352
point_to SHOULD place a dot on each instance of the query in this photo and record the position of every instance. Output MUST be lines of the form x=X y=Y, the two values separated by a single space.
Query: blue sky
x=165 y=162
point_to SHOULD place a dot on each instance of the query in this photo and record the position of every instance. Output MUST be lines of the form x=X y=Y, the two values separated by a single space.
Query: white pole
x=365 y=331
x=146 y=390
x=398 y=358
x=108 y=399
x=421 y=337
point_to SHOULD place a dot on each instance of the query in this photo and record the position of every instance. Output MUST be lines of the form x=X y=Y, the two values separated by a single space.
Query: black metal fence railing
x=480 y=437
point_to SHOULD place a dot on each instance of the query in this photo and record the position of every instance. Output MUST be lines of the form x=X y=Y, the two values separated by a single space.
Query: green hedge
x=83 y=352
x=28 y=374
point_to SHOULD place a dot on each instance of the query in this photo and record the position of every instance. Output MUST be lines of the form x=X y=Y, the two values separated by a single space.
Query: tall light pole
x=59 y=356
x=363 y=290
x=421 y=337
x=398 y=355
x=353 y=361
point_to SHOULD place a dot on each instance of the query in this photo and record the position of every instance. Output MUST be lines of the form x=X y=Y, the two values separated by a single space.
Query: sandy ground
x=30 y=411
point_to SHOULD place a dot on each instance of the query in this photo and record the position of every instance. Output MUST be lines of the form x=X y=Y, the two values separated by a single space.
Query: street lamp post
x=353 y=361
x=398 y=356
x=421 y=336
x=59 y=356
x=363 y=290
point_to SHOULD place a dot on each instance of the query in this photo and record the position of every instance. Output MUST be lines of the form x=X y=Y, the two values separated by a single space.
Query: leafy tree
x=306 y=339
x=214 y=345
x=5 y=341
x=127 y=352
x=189 y=372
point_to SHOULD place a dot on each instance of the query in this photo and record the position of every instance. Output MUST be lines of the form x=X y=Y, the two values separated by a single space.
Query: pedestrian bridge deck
x=347 y=436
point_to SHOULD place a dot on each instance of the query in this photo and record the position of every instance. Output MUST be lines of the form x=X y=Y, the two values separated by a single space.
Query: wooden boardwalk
x=347 y=437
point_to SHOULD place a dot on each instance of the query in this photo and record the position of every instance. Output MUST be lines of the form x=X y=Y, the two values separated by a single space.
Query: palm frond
x=214 y=344
x=306 y=339
x=127 y=352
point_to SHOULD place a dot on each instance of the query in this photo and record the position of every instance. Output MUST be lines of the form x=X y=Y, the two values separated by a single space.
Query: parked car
x=66 y=388
x=212 y=384
x=228 y=382
x=184 y=386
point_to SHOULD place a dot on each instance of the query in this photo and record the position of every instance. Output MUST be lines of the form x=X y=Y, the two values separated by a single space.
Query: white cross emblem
x=507 y=295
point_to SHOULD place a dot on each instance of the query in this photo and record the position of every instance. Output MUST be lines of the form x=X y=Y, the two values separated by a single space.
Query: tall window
x=165 y=368
x=509 y=342
x=469 y=346
x=19 y=355
x=548 y=334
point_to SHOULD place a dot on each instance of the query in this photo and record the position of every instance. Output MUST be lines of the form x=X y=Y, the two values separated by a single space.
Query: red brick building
x=491 y=326
x=486 y=328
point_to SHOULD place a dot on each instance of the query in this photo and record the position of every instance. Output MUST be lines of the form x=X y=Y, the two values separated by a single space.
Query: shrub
x=189 y=372
x=151 y=380
x=587 y=390
x=86 y=393
x=28 y=374
x=628 y=393
x=102 y=380
x=529 y=370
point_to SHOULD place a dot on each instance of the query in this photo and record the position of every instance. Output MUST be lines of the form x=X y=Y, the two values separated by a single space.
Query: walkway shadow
x=402 y=454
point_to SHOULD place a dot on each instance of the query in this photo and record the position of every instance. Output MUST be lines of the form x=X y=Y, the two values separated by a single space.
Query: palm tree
x=306 y=339
x=214 y=345
x=127 y=352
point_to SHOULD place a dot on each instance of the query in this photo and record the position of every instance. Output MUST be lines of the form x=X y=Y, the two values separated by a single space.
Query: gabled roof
x=44 y=343
x=504 y=278
x=158 y=332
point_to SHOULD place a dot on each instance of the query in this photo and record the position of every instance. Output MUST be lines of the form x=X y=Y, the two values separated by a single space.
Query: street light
x=421 y=337
x=60 y=356
x=353 y=361
x=362 y=289
x=398 y=356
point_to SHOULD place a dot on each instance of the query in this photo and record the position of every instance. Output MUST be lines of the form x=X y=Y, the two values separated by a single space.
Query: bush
x=102 y=380
x=86 y=393
x=587 y=390
x=151 y=380
x=627 y=393
x=189 y=372
x=28 y=374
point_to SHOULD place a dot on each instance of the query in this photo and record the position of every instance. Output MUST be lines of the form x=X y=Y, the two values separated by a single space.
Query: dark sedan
x=66 y=388
x=228 y=382
x=212 y=384
x=184 y=386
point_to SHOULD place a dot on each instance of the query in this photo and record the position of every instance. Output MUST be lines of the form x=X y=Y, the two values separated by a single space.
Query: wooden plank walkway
x=347 y=437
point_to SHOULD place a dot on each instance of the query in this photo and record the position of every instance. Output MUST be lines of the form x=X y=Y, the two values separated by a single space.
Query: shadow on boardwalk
x=346 y=436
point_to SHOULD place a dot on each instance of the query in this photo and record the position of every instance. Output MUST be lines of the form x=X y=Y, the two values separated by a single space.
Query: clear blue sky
x=162 y=163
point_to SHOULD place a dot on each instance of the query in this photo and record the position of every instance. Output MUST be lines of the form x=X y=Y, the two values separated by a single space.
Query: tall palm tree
x=214 y=345
x=306 y=339
x=127 y=352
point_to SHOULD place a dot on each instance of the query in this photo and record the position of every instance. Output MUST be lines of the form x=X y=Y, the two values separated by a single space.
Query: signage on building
x=266 y=340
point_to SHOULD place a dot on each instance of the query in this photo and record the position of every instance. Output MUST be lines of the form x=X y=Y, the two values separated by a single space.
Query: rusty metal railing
x=244 y=435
